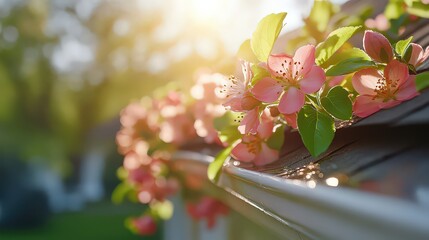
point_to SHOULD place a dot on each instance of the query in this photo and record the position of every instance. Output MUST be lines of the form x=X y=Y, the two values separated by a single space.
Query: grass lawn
x=97 y=221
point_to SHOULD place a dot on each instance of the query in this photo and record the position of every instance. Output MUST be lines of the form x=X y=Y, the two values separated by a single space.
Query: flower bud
x=377 y=47
x=145 y=225
x=249 y=102
x=274 y=111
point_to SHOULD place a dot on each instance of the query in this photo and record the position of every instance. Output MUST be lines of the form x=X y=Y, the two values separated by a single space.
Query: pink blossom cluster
x=385 y=88
x=276 y=98
x=144 y=225
x=208 y=105
x=207 y=208
x=151 y=131
x=143 y=129
x=293 y=81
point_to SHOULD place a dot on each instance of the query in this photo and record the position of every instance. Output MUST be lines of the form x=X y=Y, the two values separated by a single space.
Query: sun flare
x=207 y=10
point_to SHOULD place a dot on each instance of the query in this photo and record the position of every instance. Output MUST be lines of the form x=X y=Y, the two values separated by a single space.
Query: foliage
x=337 y=103
x=333 y=42
x=266 y=34
x=316 y=129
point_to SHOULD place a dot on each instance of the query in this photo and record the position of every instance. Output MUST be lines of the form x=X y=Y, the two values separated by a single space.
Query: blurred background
x=66 y=70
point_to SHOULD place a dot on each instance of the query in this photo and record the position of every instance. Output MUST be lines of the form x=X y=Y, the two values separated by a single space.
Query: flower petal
x=365 y=81
x=335 y=81
x=377 y=46
x=416 y=54
x=313 y=81
x=266 y=156
x=280 y=65
x=250 y=122
x=396 y=71
x=248 y=102
x=408 y=90
x=267 y=90
x=303 y=60
x=291 y=101
x=389 y=104
x=241 y=153
x=247 y=72
x=382 y=22
x=424 y=56
x=365 y=105
x=291 y=120
x=265 y=129
x=234 y=104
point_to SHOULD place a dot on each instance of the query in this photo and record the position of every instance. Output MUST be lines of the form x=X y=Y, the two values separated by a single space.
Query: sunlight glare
x=332 y=181
x=207 y=10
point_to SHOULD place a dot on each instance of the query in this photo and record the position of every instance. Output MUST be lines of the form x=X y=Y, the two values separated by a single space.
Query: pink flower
x=418 y=56
x=144 y=225
x=176 y=125
x=240 y=99
x=382 y=90
x=133 y=160
x=335 y=81
x=156 y=188
x=208 y=105
x=205 y=113
x=293 y=78
x=377 y=46
x=254 y=147
x=250 y=122
x=140 y=176
x=131 y=114
x=380 y=23
x=291 y=119
x=208 y=88
x=207 y=208
x=177 y=130
x=252 y=119
x=125 y=139
x=237 y=91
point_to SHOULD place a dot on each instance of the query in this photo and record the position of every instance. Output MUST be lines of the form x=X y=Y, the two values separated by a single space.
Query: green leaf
x=276 y=140
x=419 y=9
x=120 y=192
x=402 y=45
x=393 y=10
x=229 y=134
x=258 y=73
x=214 y=168
x=226 y=125
x=162 y=210
x=226 y=120
x=316 y=129
x=349 y=66
x=318 y=19
x=245 y=52
x=320 y=14
x=348 y=61
x=422 y=81
x=408 y=2
x=121 y=173
x=344 y=55
x=266 y=34
x=333 y=42
x=337 y=103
